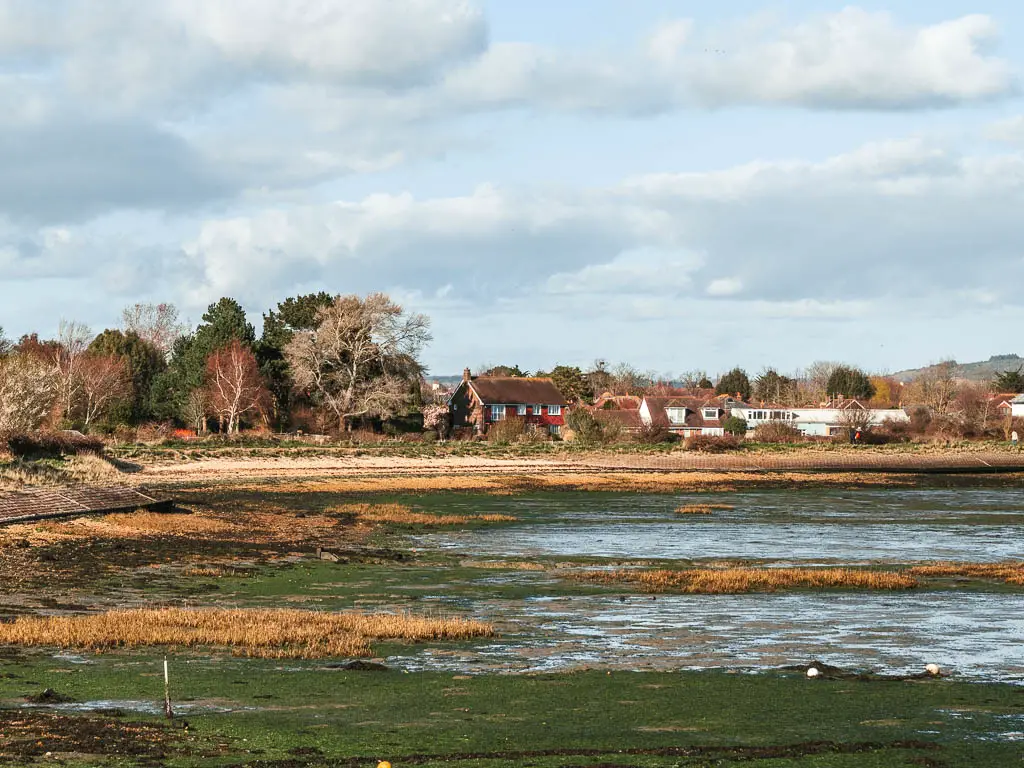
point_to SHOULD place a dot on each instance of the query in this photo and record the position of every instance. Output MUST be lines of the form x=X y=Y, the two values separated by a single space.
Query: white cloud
x=725 y=286
x=850 y=59
x=180 y=51
x=1010 y=130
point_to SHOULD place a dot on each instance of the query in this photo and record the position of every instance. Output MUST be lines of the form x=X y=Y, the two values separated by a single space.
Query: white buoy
x=932 y=669
x=813 y=672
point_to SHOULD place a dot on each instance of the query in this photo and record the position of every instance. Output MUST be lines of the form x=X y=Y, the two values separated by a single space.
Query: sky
x=678 y=185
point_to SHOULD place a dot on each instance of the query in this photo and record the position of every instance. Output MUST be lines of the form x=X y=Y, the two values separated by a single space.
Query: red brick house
x=480 y=401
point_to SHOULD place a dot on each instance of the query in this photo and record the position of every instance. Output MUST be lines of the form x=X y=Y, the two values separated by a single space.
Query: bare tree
x=814 y=382
x=157 y=324
x=28 y=388
x=5 y=344
x=936 y=387
x=196 y=409
x=234 y=385
x=66 y=356
x=361 y=359
x=103 y=382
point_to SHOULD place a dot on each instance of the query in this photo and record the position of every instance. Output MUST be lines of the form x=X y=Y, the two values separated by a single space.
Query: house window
x=538 y=410
x=521 y=410
x=497 y=412
x=676 y=415
x=555 y=429
x=554 y=410
x=710 y=413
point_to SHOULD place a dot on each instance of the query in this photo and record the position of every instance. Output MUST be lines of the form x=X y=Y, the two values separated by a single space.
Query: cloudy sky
x=655 y=181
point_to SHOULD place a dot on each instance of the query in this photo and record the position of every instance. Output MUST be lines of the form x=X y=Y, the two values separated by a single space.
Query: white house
x=1017 y=407
x=686 y=416
x=823 y=421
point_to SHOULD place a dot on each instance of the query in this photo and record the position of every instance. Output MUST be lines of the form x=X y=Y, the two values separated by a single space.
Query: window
x=676 y=415
x=554 y=410
x=497 y=412
x=710 y=413
x=538 y=410
x=555 y=429
x=521 y=410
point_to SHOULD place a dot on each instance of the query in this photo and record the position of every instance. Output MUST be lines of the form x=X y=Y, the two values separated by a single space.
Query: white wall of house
x=1017 y=410
x=815 y=422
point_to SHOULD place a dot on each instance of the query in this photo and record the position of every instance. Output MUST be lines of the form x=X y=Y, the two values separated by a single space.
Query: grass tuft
x=402 y=515
x=1011 y=573
x=702 y=509
x=263 y=633
x=715 y=581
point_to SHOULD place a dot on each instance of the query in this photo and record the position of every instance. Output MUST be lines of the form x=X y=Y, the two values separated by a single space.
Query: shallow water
x=969 y=634
x=979 y=635
x=835 y=526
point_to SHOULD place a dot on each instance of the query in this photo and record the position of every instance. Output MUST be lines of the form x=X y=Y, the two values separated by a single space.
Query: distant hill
x=980 y=371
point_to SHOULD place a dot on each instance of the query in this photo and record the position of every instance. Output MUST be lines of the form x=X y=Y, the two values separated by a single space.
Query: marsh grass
x=401 y=515
x=263 y=633
x=714 y=581
x=86 y=468
x=702 y=509
x=494 y=483
x=1011 y=573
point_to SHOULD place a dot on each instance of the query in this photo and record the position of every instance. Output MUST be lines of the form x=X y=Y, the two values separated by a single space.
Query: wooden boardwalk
x=72 y=501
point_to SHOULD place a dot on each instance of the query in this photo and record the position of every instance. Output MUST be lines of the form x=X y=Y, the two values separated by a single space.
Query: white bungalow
x=1017 y=407
x=824 y=421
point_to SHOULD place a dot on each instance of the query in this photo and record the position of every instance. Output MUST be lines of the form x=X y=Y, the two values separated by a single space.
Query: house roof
x=627 y=418
x=516 y=390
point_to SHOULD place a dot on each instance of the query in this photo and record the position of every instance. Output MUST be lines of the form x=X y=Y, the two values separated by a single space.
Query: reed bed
x=702 y=509
x=715 y=581
x=1011 y=573
x=515 y=482
x=402 y=515
x=263 y=633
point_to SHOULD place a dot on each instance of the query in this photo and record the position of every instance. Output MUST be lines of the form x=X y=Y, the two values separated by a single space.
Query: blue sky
x=663 y=183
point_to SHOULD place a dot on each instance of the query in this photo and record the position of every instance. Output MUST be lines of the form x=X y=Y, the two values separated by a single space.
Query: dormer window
x=676 y=415
x=710 y=413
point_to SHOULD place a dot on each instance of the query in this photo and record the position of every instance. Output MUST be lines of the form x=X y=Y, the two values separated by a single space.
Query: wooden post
x=168 y=712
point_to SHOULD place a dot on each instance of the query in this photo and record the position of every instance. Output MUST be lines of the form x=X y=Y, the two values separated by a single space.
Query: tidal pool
x=977 y=634
x=896 y=525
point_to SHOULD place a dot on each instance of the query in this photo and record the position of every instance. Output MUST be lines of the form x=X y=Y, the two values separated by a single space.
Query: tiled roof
x=517 y=390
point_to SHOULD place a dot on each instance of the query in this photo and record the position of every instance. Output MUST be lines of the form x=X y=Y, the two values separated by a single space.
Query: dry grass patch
x=402 y=515
x=271 y=633
x=702 y=509
x=504 y=565
x=714 y=581
x=1011 y=573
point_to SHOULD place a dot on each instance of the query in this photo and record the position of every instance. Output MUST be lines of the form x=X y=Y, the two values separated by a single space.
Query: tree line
x=322 y=362
x=328 y=362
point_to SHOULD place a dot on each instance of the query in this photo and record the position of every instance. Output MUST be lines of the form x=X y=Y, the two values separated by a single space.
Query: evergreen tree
x=850 y=382
x=735 y=381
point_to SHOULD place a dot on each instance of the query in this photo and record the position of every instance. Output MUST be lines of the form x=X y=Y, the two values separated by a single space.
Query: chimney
x=466 y=375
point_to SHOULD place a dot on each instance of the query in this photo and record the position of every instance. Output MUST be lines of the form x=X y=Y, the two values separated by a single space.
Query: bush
x=589 y=430
x=506 y=431
x=52 y=445
x=651 y=434
x=777 y=432
x=734 y=425
x=712 y=444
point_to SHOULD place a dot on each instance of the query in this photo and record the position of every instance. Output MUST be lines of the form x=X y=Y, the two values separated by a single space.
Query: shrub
x=712 y=444
x=734 y=425
x=588 y=430
x=651 y=434
x=51 y=445
x=507 y=430
x=777 y=432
